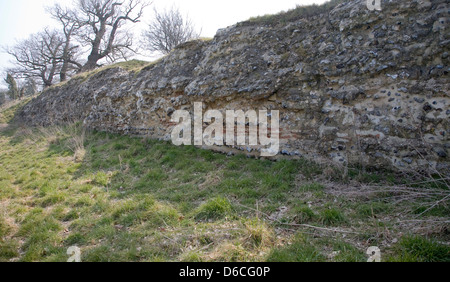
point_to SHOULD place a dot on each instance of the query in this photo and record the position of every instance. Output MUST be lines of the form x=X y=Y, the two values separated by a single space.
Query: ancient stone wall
x=352 y=85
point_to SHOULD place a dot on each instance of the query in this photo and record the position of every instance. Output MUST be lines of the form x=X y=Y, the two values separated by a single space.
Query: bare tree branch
x=101 y=23
x=39 y=56
x=168 y=30
x=69 y=27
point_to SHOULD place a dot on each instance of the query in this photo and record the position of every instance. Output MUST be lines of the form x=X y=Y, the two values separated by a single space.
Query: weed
x=331 y=216
x=303 y=214
x=214 y=209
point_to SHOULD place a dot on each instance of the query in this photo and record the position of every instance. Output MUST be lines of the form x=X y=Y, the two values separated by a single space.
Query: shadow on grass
x=184 y=176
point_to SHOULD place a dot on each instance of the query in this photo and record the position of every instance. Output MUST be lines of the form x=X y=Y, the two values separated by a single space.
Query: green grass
x=129 y=192
x=372 y=209
x=332 y=216
x=301 y=250
x=346 y=252
x=312 y=187
x=214 y=209
x=304 y=214
x=120 y=198
x=295 y=14
x=8 y=111
x=420 y=249
x=132 y=66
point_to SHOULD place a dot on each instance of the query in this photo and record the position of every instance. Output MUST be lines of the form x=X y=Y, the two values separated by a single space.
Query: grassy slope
x=295 y=14
x=127 y=199
x=132 y=66
x=7 y=111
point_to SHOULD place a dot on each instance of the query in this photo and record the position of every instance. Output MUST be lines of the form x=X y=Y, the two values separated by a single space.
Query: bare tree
x=39 y=56
x=13 y=90
x=29 y=88
x=2 y=97
x=69 y=28
x=101 y=27
x=168 y=30
x=98 y=24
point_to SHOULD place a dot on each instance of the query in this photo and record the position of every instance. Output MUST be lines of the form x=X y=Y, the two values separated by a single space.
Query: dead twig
x=298 y=225
x=434 y=205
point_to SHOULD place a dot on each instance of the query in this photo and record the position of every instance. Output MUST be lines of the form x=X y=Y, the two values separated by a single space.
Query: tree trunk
x=91 y=63
x=63 y=73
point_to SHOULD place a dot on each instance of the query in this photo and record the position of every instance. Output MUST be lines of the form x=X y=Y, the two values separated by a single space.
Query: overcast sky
x=20 y=18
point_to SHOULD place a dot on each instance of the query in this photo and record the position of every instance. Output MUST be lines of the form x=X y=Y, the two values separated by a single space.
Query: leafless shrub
x=168 y=30
x=71 y=136
x=76 y=141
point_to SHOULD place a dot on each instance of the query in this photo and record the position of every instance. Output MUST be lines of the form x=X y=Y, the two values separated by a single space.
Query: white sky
x=20 y=18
